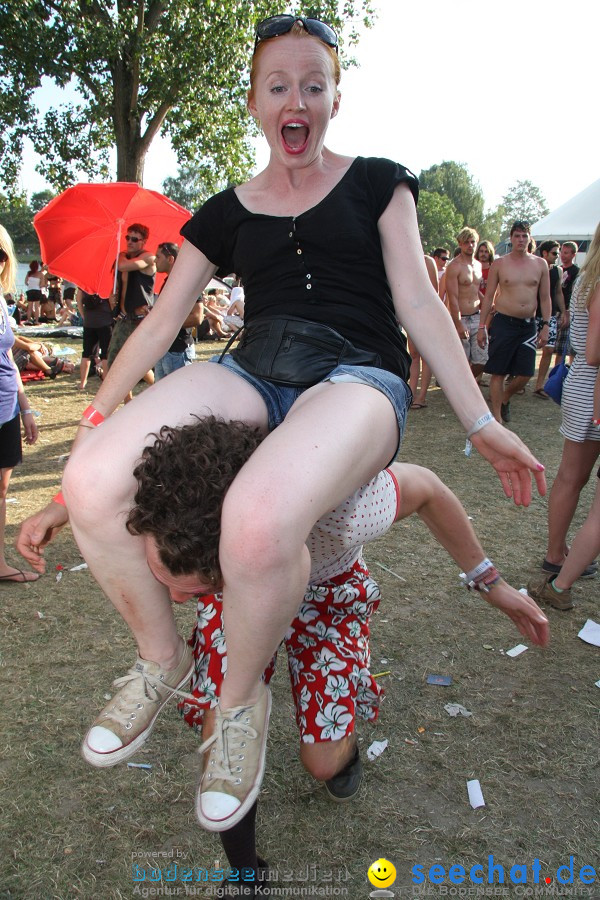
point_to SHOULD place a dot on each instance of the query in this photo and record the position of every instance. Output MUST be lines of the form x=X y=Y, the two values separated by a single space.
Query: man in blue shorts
x=514 y=282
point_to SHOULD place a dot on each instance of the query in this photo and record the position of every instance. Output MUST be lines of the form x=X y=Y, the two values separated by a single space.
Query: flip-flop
x=418 y=406
x=542 y=394
x=23 y=579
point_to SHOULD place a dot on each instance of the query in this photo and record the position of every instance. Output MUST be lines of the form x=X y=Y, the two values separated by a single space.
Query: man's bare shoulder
x=454 y=265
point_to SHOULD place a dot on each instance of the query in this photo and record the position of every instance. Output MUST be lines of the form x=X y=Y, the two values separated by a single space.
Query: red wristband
x=58 y=498
x=94 y=417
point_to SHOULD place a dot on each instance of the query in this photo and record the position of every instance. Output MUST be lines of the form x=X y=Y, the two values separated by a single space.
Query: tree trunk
x=131 y=153
x=130 y=161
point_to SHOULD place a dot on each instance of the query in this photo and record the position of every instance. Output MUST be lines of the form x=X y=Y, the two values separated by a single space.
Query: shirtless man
x=463 y=276
x=520 y=276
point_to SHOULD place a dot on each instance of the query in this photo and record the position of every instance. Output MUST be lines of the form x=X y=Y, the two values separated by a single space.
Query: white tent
x=575 y=220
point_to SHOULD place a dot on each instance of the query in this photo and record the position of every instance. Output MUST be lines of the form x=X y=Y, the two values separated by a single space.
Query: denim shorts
x=280 y=399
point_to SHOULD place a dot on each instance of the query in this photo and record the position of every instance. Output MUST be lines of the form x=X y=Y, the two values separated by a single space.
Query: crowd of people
x=270 y=528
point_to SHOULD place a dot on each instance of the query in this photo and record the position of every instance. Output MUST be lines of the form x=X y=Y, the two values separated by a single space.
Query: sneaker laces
x=228 y=737
x=137 y=684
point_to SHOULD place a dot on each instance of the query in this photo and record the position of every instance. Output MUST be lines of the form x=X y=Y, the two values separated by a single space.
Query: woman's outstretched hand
x=512 y=460
x=524 y=612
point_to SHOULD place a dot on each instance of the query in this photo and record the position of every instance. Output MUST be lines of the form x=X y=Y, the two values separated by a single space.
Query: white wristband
x=27 y=412
x=483 y=566
x=481 y=422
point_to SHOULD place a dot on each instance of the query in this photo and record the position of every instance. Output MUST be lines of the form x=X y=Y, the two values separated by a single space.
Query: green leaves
x=171 y=67
x=523 y=201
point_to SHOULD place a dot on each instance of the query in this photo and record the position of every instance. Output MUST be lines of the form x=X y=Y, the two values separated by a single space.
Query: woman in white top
x=35 y=281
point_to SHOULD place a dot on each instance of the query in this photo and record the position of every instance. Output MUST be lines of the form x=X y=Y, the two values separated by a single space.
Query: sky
x=508 y=89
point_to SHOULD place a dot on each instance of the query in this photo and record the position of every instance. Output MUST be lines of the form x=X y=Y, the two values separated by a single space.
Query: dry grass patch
x=69 y=831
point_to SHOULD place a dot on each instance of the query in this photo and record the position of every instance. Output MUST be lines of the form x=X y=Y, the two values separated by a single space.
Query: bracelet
x=482 y=328
x=483 y=566
x=27 y=412
x=481 y=422
x=58 y=498
x=93 y=416
x=485 y=578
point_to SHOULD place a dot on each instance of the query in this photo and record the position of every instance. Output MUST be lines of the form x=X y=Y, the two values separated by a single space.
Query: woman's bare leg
x=98 y=486
x=84 y=371
x=585 y=546
x=323 y=451
x=5 y=569
x=573 y=474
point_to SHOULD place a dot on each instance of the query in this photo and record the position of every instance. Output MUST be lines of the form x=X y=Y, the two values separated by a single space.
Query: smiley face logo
x=381 y=873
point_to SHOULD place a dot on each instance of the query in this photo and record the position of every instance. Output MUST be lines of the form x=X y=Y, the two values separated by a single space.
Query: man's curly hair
x=182 y=481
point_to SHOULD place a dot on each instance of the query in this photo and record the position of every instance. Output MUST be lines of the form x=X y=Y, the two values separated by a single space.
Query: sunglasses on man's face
x=275 y=26
x=132 y=240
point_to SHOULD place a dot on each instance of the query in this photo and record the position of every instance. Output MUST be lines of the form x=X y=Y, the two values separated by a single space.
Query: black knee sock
x=239 y=842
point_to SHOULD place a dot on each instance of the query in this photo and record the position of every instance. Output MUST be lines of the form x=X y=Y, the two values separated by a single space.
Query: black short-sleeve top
x=324 y=265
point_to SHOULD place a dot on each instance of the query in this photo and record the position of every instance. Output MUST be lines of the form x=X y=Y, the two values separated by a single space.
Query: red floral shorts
x=328 y=657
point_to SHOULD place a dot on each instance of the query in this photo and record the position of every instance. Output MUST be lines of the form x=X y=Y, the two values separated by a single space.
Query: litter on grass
x=475 y=793
x=389 y=571
x=79 y=568
x=457 y=709
x=139 y=766
x=590 y=633
x=444 y=680
x=376 y=749
x=516 y=651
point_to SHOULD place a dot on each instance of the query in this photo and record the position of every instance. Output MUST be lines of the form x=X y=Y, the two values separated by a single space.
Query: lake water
x=22 y=269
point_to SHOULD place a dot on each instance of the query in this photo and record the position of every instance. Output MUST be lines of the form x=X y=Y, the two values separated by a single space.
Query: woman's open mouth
x=295 y=136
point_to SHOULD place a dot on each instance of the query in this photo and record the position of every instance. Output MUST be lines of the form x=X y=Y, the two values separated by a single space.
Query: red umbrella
x=83 y=229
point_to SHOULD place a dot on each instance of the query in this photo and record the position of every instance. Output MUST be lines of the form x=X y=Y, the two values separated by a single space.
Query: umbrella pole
x=117 y=256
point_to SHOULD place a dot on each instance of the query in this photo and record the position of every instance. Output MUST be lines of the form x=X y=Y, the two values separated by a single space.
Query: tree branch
x=154 y=124
x=135 y=68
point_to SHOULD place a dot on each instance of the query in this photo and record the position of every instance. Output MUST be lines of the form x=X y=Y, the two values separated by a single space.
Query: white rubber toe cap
x=101 y=740
x=217 y=806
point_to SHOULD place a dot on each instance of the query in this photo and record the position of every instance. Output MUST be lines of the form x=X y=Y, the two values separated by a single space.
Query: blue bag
x=554 y=385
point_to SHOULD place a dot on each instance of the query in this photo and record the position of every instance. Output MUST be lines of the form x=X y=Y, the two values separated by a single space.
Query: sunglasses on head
x=275 y=26
x=3 y=256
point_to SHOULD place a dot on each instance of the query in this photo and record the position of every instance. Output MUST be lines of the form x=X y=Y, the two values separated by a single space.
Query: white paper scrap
x=516 y=651
x=455 y=709
x=523 y=590
x=598 y=684
x=79 y=568
x=475 y=794
x=376 y=749
x=590 y=633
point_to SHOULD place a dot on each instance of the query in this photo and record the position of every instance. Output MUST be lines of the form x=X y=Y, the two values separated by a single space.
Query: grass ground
x=70 y=831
